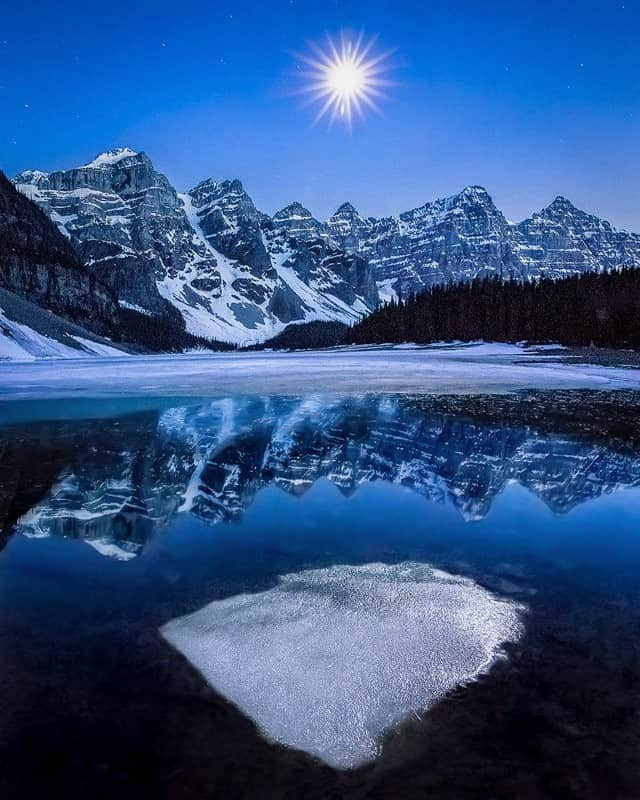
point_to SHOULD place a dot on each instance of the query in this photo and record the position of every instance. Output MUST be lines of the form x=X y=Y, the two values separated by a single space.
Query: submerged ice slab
x=329 y=658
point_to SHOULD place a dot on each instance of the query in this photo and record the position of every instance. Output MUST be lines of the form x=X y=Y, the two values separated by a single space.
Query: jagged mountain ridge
x=465 y=237
x=237 y=274
x=561 y=240
x=208 y=255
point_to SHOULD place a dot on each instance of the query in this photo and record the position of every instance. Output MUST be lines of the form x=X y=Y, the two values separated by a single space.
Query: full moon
x=345 y=79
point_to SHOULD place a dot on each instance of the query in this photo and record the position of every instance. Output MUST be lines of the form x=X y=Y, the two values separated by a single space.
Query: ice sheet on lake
x=484 y=368
x=329 y=658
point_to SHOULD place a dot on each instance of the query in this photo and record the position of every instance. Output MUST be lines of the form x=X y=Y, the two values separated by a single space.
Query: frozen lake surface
x=481 y=368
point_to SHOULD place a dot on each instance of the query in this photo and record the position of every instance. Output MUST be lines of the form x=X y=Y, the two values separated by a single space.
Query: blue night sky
x=529 y=99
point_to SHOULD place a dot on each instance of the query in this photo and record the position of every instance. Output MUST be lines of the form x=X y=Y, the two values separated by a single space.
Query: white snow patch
x=110 y=157
x=212 y=315
x=98 y=348
x=386 y=290
x=20 y=343
x=135 y=307
x=549 y=346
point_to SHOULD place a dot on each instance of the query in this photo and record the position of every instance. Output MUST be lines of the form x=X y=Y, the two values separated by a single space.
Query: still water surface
x=291 y=596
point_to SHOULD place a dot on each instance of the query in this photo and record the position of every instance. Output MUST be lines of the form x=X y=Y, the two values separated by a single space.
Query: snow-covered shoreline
x=479 y=368
x=21 y=343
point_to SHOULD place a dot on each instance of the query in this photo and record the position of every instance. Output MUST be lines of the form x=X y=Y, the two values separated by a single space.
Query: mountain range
x=209 y=263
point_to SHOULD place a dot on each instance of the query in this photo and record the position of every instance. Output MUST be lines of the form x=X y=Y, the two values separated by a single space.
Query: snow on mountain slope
x=19 y=342
x=273 y=275
x=111 y=157
x=455 y=238
x=209 y=255
x=126 y=220
x=465 y=236
x=211 y=259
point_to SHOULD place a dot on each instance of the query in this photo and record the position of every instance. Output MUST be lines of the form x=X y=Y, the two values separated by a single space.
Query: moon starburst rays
x=345 y=79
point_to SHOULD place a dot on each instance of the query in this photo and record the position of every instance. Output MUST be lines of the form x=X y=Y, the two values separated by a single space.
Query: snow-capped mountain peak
x=563 y=240
x=299 y=223
x=347 y=209
x=561 y=204
x=475 y=194
x=294 y=211
x=111 y=157
x=208 y=257
x=33 y=177
x=348 y=227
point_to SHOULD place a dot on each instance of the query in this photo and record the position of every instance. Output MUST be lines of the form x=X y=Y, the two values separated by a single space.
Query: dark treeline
x=305 y=336
x=599 y=309
x=160 y=335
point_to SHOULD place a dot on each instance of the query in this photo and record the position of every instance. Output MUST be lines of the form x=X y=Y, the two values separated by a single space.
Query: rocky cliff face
x=298 y=223
x=38 y=263
x=59 y=291
x=125 y=218
x=349 y=228
x=319 y=260
x=561 y=240
x=455 y=239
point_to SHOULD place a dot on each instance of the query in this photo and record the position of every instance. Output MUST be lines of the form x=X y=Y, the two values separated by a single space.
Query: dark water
x=118 y=517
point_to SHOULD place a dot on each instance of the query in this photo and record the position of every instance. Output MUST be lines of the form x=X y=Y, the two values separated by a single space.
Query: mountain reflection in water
x=114 y=481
